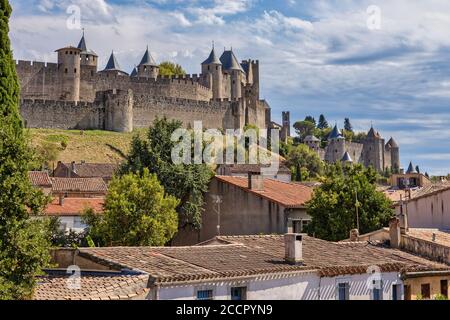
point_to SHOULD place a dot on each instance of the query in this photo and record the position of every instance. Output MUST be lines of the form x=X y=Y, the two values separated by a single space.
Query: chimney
x=293 y=243
x=61 y=200
x=394 y=233
x=255 y=181
x=354 y=235
x=434 y=237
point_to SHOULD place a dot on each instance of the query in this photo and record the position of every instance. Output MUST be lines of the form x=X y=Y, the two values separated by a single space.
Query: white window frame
x=372 y=291
x=205 y=288
x=343 y=281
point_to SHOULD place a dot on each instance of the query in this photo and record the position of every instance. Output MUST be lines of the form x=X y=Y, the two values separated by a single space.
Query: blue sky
x=315 y=56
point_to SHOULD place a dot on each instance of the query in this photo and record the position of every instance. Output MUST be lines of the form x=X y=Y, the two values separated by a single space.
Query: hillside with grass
x=96 y=146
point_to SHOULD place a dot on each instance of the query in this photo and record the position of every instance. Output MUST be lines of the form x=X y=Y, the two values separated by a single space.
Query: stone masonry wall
x=61 y=115
x=97 y=115
x=214 y=114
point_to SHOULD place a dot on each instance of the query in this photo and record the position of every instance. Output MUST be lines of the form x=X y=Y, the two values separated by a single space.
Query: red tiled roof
x=39 y=178
x=94 y=185
x=290 y=195
x=93 y=286
x=92 y=170
x=244 y=168
x=74 y=206
x=228 y=257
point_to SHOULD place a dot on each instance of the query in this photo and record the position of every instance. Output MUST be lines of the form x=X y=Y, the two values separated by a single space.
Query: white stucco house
x=272 y=267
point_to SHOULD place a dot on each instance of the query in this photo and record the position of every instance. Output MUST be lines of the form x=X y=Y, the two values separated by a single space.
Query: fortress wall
x=215 y=114
x=188 y=87
x=61 y=114
x=38 y=80
x=355 y=151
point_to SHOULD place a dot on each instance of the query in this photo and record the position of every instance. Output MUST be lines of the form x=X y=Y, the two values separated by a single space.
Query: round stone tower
x=395 y=154
x=148 y=68
x=336 y=146
x=88 y=58
x=231 y=65
x=213 y=68
x=69 y=73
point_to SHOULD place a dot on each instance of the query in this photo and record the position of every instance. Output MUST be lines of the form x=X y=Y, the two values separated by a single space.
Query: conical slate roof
x=335 y=134
x=392 y=143
x=212 y=59
x=372 y=133
x=83 y=47
x=112 y=63
x=411 y=169
x=229 y=61
x=134 y=73
x=82 y=44
x=347 y=158
x=147 y=59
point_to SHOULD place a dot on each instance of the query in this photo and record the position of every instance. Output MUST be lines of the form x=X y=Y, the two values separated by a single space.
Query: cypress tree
x=323 y=124
x=23 y=242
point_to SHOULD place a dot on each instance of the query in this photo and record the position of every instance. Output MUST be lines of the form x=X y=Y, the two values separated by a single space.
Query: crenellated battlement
x=113 y=100
x=30 y=65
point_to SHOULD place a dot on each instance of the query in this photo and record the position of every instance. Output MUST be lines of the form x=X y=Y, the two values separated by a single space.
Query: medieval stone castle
x=372 y=151
x=73 y=94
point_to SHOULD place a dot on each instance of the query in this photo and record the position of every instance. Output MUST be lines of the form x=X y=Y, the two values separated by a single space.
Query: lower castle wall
x=106 y=112
x=212 y=114
x=61 y=115
x=355 y=151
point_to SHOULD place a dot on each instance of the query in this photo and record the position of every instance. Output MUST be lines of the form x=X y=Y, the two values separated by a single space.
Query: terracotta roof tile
x=94 y=185
x=74 y=206
x=93 y=170
x=290 y=195
x=93 y=286
x=441 y=237
x=39 y=178
x=238 y=256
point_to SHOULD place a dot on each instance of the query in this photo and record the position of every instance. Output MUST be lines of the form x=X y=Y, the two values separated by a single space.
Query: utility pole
x=217 y=200
x=357 y=207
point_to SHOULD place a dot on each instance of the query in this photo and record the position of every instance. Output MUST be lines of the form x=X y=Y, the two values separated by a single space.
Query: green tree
x=323 y=124
x=23 y=242
x=137 y=213
x=305 y=163
x=168 y=68
x=333 y=206
x=310 y=119
x=304 y=129
x=187 y=182
x=347 y=125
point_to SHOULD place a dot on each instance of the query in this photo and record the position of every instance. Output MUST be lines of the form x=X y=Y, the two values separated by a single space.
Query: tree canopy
x=167 y=68
x=23 y=242
x=322 y=124
x=333 y=206
x=304 y=162
x=304 y=129
x=187 y=182
x=137 y=213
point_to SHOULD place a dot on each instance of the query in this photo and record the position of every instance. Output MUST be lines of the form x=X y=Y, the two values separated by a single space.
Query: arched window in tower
x=75 y=70
x=208 y=68
x=66 y=70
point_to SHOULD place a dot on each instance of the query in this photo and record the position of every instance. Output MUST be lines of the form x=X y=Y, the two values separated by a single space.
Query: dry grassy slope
x=91 y=146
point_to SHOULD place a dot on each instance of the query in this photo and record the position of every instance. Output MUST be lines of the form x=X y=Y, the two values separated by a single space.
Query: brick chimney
x=293 y=243
x=61 y=200
x=255 y=181
x=394 y=233
x=354 y=235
